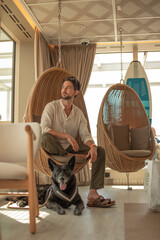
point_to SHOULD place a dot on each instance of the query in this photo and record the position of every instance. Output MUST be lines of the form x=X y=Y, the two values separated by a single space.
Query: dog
x=63 y=192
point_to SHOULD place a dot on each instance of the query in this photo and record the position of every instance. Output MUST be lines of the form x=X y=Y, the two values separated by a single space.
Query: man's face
x=67 y=90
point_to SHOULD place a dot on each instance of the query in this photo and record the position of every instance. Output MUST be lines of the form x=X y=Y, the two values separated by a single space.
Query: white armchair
x=19 y=145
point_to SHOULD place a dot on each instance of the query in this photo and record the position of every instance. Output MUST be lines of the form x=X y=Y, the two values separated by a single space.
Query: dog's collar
x=63 y=195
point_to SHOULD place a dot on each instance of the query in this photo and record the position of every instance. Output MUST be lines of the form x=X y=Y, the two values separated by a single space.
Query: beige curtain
x=78 y=60
x=41 y=54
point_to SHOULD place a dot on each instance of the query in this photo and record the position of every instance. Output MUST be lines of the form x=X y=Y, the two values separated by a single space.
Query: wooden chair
x=19 y=145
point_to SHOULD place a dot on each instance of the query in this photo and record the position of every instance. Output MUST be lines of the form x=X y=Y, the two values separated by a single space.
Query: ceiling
x=96 y=21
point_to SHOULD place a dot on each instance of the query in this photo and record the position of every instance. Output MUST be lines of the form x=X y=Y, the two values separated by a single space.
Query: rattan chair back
x=46 y=89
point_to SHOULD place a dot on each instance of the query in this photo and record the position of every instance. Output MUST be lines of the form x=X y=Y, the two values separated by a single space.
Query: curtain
x=78 y=60
x=41 y=54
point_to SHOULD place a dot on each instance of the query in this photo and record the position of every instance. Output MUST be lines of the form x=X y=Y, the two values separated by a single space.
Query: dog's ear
x=71 y=163
x=51 y=164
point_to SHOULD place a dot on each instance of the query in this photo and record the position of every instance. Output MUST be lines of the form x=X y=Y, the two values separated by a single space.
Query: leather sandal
x=100 y=202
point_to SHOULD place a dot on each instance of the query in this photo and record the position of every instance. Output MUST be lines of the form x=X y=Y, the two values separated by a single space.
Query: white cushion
x=13 y=141
x=12 y=171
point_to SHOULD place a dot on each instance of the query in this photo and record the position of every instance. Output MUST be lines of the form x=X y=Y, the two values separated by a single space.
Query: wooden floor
x=94 y=224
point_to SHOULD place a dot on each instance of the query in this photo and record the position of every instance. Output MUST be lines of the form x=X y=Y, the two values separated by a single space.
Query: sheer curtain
x=76 y=59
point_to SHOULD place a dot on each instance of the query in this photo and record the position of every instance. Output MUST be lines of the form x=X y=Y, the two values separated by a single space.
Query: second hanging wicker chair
x=46 y=89
x=122 y=121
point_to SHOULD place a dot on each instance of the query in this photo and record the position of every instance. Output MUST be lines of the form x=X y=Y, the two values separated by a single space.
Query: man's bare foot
x=93 y=194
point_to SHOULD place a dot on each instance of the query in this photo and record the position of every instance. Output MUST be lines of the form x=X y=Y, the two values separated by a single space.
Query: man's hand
x=72 y=142
x=93 y=153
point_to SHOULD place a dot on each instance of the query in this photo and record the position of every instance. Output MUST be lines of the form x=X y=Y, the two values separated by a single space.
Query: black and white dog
x=63 y=192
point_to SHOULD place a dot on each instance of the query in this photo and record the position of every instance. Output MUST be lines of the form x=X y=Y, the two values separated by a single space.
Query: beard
x=66 y=97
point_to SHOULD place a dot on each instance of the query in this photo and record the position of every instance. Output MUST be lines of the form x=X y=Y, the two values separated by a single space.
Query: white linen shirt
x=54 y=117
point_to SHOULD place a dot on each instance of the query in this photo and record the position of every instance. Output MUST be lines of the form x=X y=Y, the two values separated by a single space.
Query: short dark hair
x=74 y=81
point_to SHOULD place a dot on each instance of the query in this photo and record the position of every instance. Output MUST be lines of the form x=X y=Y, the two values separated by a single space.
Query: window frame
x=12 y=101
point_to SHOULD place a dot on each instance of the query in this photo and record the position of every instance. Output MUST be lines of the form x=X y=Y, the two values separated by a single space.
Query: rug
x=141 y=223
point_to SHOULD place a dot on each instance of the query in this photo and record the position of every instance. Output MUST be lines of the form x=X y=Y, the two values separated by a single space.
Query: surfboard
x=137 y=79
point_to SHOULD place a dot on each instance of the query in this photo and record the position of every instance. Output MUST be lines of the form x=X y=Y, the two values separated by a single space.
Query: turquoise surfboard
x=137 y=79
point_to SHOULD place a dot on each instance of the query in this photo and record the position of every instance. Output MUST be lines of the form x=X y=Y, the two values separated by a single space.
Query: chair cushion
x=137 y=153
x=12 y=171
x=140 y=138
x=120 y=136
x=65 y=159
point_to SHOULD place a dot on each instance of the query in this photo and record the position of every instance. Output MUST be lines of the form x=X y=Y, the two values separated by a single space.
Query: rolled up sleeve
x=46 y=119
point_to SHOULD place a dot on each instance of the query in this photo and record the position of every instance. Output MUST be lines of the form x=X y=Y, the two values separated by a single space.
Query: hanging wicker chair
x=46 y=89
x=122 y=107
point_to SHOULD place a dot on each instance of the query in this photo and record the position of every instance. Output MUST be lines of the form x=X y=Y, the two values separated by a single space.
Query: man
x=61 y=122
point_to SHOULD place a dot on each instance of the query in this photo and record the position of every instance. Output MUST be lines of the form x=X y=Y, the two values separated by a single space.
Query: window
x=107 y=71
x=7 y=46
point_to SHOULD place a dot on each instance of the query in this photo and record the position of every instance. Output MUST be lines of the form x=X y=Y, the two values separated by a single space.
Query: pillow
x=121 y=137
x=140 y=138
x=109 y=130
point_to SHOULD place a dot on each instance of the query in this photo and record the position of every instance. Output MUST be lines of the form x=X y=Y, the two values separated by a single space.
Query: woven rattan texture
x=46 y=89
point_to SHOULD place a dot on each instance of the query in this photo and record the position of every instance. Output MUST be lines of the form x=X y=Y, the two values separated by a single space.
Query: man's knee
x=101 y=152
x=47 y=139
x=51 y=145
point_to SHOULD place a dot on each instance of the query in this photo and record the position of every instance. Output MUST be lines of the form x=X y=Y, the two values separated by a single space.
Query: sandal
x=101 y=202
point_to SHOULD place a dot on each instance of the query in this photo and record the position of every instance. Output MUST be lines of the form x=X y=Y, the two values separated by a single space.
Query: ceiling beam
x=105 y=36
x=116 y=66
x=114 y=20
x=98 y=20
x=55 y=2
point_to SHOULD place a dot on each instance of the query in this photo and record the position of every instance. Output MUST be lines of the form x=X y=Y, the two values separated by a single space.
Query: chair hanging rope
x=121 y=50
x=59 y=32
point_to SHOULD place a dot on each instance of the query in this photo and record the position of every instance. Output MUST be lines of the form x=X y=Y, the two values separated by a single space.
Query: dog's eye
x=65 y=171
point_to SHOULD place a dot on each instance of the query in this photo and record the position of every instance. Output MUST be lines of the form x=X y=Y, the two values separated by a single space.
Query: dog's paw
x=22 y=203
x=77 y=212
x=61 y=211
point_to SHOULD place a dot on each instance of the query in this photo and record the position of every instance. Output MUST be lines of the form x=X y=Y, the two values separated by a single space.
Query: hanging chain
x=121 y=47
x=59 y=31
